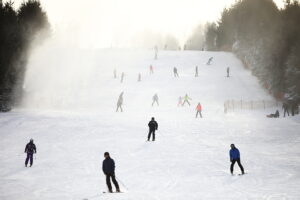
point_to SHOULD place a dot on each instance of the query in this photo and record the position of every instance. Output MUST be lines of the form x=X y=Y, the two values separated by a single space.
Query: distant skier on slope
x=175 y=71
x=209 y=61
x=228 y=70
x=122 y=77
x=120 y=102
x=151 y=69
x=234 y=154
x=152 y=128
x=108 y=167
x=30 y=149
x=285 y=108
x=139 y=77
x=199 y=110
x=196 y=71
x=179 y=101
x=115 y=73
x=155 y=99
x=186 y=99
x=155 y=52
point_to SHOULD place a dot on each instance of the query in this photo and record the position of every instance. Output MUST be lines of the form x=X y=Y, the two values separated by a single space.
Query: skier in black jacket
x=152 y=128
x=30 y=149
x=108 y=167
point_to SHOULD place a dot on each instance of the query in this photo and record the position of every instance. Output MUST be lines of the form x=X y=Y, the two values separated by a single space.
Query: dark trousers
x=239 y=163
x=198 y=112
x=151 y=132
x=113 y=178
x=186 y=101
x=286 y=111
x=29 y=157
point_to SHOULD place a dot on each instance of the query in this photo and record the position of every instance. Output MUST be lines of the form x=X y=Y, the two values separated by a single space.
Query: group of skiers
x=155 y=100
x=175 y=71
x=108 y=164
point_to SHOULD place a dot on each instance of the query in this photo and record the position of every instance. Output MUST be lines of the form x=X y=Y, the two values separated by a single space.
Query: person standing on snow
x=30 y=149
x=234 y=154
x=151 y=69
x=186 y=99
x=155 y=52
x=139 y=77
x=175 y=71
x=120 y=102
x=179 y=101
x=152 y=128
x=227 y=70
x=122 y=77
x=199 y=110
x=108 y=167
x=155 y=99
x=196 y=73
x=285 y=107
x=115 y=73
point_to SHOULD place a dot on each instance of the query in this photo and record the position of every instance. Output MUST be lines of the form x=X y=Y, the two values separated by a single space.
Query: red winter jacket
x=199 y=107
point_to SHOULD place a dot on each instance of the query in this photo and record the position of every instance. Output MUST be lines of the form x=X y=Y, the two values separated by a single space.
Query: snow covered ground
x=70 y=113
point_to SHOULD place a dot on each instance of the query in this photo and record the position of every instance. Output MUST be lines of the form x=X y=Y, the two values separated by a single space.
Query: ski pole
x=122 y=183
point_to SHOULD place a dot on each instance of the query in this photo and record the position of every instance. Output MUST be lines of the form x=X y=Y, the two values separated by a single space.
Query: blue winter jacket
x=234 y=154
x=108 y=166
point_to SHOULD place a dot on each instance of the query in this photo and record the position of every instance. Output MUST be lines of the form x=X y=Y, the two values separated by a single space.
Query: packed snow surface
x=69 y=111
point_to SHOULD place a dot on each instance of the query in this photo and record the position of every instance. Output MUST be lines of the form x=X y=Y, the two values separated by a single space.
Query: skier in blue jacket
x=108 y=168
x=234 y=154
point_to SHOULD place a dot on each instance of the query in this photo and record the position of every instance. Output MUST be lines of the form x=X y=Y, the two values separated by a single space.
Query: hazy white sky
x=103 y=22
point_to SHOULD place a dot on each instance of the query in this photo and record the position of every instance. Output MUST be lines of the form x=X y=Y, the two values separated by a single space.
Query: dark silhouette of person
x=30 y=149
x=228 y=70
x=234 y=154
x=175 y=71
x=152 y=128
x=108 y=167
x=285 y=107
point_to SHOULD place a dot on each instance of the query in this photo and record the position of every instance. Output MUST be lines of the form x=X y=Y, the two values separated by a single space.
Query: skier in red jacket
x=199 y=109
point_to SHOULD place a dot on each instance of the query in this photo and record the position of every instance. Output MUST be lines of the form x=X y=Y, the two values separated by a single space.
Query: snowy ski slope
x=70 y=107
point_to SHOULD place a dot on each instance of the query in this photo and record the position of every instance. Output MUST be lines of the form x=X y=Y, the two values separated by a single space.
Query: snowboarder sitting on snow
x=235 y=157
x=152 y=128
x=108 y=167
x=30 y=149
x=276 y=115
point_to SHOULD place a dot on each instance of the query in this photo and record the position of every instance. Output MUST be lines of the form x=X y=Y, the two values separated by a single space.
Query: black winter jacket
x=108 y=166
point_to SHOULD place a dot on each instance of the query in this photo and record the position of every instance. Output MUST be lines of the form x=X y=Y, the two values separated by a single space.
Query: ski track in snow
x=188 y=160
